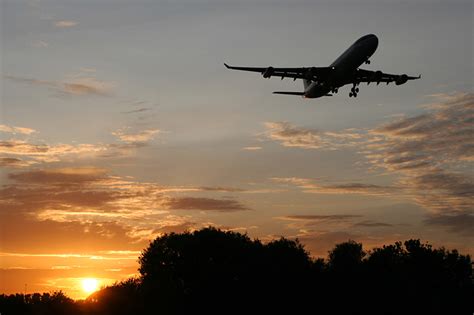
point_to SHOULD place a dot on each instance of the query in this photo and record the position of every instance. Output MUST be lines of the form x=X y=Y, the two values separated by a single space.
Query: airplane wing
x=368 y=76
x=310 y=73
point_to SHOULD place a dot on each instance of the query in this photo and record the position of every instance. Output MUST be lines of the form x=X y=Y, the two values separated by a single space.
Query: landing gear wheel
x=350 y=94
x=357 y=90
x=367 y=62
x=355 y=94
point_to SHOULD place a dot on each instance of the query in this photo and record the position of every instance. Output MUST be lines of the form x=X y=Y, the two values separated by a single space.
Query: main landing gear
x=354 y=91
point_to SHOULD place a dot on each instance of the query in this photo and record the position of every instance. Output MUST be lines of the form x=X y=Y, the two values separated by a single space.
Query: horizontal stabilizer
x=289 y=93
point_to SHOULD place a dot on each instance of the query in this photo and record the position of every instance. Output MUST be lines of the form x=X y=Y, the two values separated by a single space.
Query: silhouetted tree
x=212 y=271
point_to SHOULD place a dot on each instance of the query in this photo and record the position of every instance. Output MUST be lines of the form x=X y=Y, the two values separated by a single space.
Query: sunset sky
x=119 y=123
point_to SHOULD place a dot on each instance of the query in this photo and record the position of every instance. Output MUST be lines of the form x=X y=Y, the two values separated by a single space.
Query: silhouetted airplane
x=320 y=81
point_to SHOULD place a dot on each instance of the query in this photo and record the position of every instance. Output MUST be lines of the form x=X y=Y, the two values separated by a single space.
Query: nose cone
x=374 y=41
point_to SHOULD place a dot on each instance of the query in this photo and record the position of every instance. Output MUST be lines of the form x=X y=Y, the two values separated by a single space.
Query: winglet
x=226 y=65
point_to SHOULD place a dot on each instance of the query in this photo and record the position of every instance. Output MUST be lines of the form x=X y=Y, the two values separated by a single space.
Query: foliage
x=213 y=271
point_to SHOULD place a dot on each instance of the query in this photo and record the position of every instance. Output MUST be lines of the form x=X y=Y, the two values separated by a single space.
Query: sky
x=119 y=123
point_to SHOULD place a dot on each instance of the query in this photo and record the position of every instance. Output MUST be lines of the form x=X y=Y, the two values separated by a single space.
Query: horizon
x=119 y=123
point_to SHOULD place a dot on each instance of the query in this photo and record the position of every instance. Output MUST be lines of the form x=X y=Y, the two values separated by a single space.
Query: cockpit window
x=363 y=38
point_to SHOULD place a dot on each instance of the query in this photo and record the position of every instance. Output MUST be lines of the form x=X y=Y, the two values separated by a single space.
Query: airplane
x=322 y=81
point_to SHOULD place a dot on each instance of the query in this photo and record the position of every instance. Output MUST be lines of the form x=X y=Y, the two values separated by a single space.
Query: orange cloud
x=16 y=130
x=135 y=137
x=14 y=162
x=47 y=153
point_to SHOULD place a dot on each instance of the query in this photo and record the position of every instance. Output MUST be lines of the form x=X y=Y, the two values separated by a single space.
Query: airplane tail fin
x=289 y=93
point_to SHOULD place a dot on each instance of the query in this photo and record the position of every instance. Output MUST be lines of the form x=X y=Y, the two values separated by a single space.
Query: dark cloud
x=193 y=203
x=139 y=110
x=333 y=217
x=428 y=151
x=63 y=176
x=310 y=186
x=460 y=223
x=369 y=223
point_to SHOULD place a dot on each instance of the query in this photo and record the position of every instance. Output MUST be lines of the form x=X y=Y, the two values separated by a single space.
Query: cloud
x=320 y=218
x=433 y=154
x=43 y=198
x=135 y=137
x=221 y=189
x=291 y=136
x=16 y=130
x=87 y=86
x=139 y=110
x=310 y=186
x=372 y=224
x=14 y=162
x=251 y=148
x=430 y=154
x=193 y=203
x=309 y=223
x=47 y=153
x=77 y=86
x=62 y=176
x=65 y=23
x=461 y=223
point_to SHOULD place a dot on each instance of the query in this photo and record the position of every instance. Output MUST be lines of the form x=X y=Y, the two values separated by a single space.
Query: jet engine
x=377 y=77
x=310 y=73
x=268 y=73
x=401 y=79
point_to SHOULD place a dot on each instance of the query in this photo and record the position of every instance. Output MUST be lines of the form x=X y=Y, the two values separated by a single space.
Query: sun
x=90 y=285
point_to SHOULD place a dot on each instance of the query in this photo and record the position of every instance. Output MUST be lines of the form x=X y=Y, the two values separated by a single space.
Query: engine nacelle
x=402 y=79
x=377 y=76
x=268 y=73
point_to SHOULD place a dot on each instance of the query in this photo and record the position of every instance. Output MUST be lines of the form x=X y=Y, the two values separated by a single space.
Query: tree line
x=211 y=271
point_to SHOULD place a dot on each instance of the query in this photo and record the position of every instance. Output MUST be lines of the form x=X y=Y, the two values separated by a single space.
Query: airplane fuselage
x=325 y=81
x=344 y=66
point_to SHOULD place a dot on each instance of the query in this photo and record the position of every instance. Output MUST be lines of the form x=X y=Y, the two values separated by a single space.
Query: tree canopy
x=212 y=271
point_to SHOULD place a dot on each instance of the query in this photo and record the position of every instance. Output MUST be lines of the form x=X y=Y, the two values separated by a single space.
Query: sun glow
x=90 y=285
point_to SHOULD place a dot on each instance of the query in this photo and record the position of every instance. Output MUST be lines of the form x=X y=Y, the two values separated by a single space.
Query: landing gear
x=367 y=62
x=334 y=91
x=354 y=91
